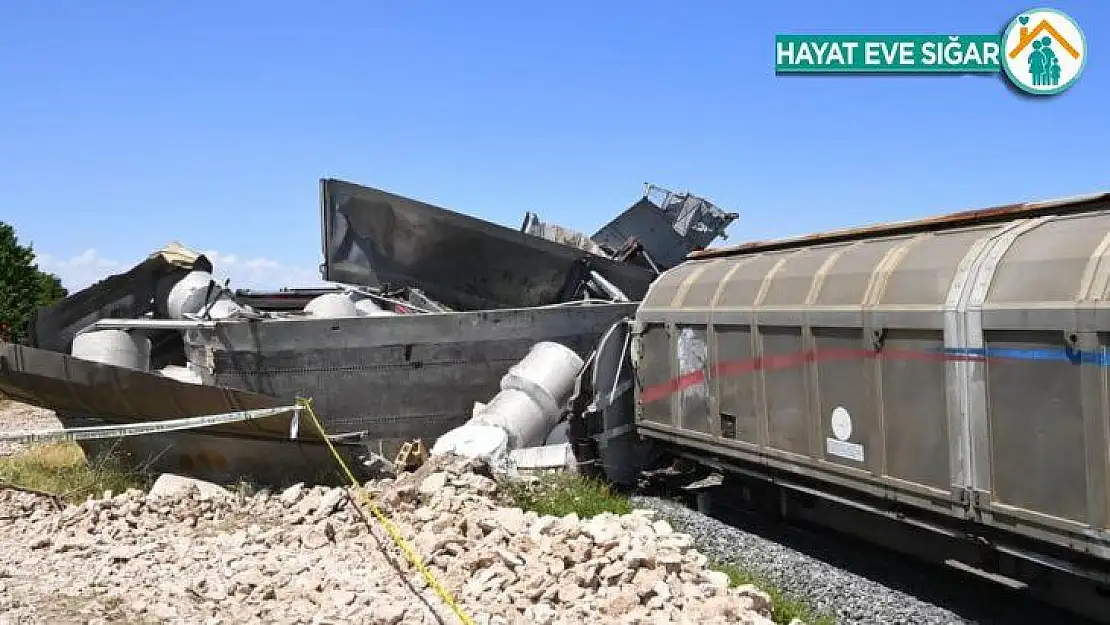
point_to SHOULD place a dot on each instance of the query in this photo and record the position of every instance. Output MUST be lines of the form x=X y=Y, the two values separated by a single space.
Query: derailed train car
x=947 y=374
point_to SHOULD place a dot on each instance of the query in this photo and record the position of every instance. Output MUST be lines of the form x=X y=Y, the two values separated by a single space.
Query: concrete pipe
x=331 y=306
x=181 y=374
x=473 y=441
x=113 y=347
x=367 y=307
x=192 y=294
x=520 y=416
x=547 y=374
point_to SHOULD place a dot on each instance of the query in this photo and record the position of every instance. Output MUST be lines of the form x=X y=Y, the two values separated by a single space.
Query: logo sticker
x=1044 y=51
x=1041 y=51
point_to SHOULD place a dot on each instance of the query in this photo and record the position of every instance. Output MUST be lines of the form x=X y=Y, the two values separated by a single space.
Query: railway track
x=845 y=576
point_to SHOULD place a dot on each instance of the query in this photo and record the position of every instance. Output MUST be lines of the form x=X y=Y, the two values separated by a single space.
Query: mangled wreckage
x=431 y=313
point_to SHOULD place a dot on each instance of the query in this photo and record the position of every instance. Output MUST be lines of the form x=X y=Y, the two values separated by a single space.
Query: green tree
x=23 y=288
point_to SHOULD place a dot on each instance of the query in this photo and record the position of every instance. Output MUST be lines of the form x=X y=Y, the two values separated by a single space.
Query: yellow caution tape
x=390 y=529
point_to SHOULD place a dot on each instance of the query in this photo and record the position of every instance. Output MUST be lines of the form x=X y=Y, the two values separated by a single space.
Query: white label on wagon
x=841 y=422
x=844 y=449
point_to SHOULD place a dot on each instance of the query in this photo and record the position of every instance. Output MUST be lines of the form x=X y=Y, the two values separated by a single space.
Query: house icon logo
x=1044 y=51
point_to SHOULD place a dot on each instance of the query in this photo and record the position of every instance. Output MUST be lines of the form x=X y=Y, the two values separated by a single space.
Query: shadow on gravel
x=383 y=548
x=972 y=598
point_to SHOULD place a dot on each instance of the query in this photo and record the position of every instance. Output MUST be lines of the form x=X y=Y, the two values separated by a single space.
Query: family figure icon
x=1045 y=51
x=1044 y=67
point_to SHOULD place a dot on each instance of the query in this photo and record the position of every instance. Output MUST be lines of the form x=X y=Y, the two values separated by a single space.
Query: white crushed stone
x=197 y=554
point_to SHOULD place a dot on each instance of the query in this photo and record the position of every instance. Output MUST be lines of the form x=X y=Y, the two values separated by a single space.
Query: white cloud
x=81 y=270
x=260 y=272
x=88 y=267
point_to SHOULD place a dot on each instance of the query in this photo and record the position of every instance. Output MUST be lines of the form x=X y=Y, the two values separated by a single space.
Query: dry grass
x=62 y=469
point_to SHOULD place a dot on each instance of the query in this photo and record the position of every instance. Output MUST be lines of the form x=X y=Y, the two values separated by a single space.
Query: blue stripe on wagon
x=1060 y=354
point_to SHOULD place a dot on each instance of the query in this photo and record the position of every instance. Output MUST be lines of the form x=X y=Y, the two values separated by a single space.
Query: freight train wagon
x=946 y=375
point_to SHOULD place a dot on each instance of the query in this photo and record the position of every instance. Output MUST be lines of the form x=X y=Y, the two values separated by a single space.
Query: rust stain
x=211 y=460
x=219 y=462
x=946 y=221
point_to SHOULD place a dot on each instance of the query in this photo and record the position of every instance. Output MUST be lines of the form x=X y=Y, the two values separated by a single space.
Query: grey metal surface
x=1040 y=455
x=226 y=459
x=118 y=395
x=562 y=235
x=621 y=452
x=995 y=215
x=669 y=225
x=394 y=377
x=374 y=238
x=959 y=368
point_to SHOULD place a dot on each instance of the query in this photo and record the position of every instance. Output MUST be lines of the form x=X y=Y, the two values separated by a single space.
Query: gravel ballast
x=193 y=552
x=851 y=599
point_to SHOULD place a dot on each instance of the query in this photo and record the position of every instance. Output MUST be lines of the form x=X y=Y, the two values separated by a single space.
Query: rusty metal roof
x=1075 y=204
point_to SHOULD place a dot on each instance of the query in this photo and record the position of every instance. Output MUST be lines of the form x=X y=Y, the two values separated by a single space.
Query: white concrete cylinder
x=547 y=374
x=367 y=307
x=473 y=441
x=520 y=416
x=331 y=305
x=225 y=307
x=192 y=294
x=113 y=347
x=181 y=374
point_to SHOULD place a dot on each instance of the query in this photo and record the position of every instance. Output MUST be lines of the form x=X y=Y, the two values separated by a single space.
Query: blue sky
x=124 y=125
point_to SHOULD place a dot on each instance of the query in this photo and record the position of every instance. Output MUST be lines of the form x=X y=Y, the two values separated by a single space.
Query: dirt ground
x=17 y=417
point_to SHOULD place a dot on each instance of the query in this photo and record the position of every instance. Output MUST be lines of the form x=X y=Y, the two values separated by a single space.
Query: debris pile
x=656 y=233
x=523 y=415
x=194 y=552
x=426 y=311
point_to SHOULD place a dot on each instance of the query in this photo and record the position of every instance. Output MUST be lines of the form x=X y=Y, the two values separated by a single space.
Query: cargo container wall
x=959 y=369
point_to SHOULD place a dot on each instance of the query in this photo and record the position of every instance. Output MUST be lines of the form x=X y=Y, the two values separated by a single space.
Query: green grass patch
x=559 y=494
x=61 y=469
x=784 y=608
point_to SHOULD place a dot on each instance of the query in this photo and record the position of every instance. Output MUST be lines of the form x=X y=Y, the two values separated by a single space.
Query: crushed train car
x=428 y=313
x=378 y=239
x=657 y=232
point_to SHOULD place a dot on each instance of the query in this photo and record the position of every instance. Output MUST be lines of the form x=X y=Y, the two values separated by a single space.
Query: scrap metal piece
x=559 y=234
x=130 y=294
x=418 y=298
x=119 y=395
x=403 y=377
x=377 y=239
x=710 y=481
x=668 y=225
x=411 y=455
x=607 y=287
x=284 y=299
